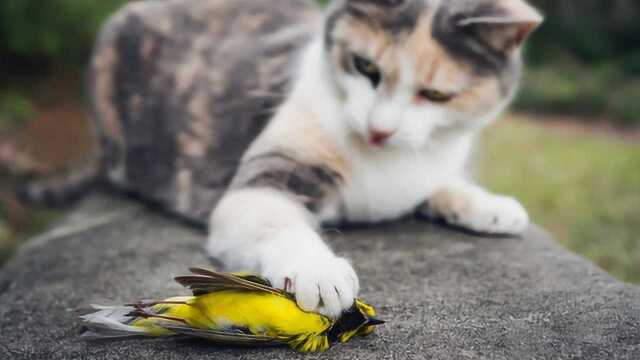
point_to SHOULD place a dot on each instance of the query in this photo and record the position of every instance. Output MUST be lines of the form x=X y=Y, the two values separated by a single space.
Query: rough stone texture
x=180 y=88
x=446 y=295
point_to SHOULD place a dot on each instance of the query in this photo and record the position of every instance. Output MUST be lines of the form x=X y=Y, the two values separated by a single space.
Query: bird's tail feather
x=109 y=322
x=144 y=318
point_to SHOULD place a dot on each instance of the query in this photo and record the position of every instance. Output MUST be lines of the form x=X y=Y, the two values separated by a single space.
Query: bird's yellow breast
x=261 y=313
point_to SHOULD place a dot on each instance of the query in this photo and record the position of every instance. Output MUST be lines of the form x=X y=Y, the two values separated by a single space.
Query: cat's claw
x=326 y=284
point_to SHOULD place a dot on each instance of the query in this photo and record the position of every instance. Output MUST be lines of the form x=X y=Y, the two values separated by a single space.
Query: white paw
x=321 y=283
x=483 y=212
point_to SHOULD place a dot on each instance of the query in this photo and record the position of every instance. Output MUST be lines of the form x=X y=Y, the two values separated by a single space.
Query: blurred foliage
x=41 y=38
x=585 y=60
x=593 y=31
x=53 y=31
x=568 y=88
x=585 y=193
x=14 y=108
x=7 y=246
x=14 y=231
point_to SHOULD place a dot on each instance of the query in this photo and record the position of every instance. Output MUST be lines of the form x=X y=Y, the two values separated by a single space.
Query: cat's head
x=408 y=70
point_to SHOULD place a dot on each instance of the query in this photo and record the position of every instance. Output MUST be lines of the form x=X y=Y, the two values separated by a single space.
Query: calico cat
x=273 y=121
x=380 y=119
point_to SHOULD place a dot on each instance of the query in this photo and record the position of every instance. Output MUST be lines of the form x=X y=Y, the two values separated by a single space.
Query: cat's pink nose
x=379 y=137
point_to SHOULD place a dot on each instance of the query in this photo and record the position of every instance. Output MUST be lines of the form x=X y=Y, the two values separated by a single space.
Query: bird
x=236 y=309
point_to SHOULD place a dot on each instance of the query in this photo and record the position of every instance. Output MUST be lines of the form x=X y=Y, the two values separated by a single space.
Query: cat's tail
x=60 y=190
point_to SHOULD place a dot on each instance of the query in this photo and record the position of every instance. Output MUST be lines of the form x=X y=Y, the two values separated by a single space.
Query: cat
x=381 y=119
x=382 y=101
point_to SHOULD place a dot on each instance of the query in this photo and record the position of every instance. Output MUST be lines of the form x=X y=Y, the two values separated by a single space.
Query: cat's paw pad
x=325 y=284
x=484 y=213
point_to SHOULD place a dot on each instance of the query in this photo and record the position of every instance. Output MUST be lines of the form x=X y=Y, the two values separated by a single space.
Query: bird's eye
x=435 y=95
x=367 y=69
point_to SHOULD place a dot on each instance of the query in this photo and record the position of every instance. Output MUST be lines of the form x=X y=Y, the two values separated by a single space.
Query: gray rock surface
x=445 y=295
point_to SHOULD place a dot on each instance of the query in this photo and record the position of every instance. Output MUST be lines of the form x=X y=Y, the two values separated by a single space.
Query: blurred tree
x=594 y=31
x=53 y=31
x=586 y=60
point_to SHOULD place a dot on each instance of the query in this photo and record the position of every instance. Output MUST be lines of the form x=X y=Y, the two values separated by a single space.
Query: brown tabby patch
x=176 y=109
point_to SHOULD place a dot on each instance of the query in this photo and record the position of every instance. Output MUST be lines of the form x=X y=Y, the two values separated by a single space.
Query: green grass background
x=583 y=188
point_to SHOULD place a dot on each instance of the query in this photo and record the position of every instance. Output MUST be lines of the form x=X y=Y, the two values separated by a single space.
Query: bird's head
x=360 y=320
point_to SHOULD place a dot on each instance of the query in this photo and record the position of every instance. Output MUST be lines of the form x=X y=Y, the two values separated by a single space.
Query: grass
x=18 y=224
x=583 y=188
x=14 y=109
x=570 y=88
x=14 y=231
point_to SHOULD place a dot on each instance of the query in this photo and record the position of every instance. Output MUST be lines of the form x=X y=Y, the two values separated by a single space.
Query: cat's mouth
x=379 y=138
x=379 y=142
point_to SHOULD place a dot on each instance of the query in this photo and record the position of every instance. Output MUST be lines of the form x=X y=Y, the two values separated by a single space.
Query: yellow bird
x=232 y=309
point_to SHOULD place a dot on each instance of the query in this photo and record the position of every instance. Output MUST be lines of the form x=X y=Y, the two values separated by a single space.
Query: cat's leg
x=265 y=225
x=465 y=204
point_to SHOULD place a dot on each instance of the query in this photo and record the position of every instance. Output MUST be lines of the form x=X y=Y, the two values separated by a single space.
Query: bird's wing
x=237 y=338
x=205 y=281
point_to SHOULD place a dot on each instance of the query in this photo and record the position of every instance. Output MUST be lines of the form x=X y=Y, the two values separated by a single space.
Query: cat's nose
x=379 y=137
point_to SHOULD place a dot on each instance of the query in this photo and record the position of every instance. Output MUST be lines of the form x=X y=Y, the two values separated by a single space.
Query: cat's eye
x=367 y=69
x=436 y=96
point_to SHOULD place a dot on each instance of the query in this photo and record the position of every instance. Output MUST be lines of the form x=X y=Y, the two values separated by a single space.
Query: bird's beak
x=374 y=321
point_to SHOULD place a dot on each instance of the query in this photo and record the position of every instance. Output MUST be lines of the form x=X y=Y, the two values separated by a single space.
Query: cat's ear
x=504 y=28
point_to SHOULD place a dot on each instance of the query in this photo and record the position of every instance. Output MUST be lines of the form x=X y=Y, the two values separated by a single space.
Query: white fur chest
x=389 y=183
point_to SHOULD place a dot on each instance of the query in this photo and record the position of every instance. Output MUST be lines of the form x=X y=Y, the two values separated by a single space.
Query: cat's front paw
x=480 y=211
x=326 y=284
